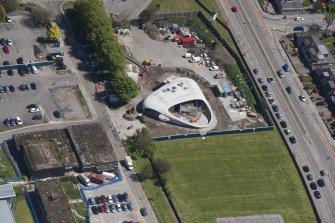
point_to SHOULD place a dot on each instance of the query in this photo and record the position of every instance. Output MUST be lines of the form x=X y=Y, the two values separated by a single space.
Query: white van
x=34 y=69
x=299 y=18
x=214 y=68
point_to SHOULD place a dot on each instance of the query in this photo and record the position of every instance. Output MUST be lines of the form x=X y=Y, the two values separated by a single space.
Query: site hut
x=46 y=153
x=53 y=202
x=92 y=148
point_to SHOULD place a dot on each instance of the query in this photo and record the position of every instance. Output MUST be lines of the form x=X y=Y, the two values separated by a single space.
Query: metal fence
x=213 y=133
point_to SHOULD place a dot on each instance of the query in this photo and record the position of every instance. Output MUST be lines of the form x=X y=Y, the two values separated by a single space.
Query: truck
x=129 y=162
x=84 y=180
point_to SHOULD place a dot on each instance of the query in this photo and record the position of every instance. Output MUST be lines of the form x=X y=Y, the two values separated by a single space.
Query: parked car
x=286 y=68
x=261 y=80
x=321 y=182
x=56 y=114
x=283 y=124
x=317 y=194
x=302 y=97
x=124 y=207
x=6 y=122
x=109 y=199
x=33 y=110
x=33 y=86
x=275 y=108
x=11 y=88
x=120 y=197
x=289 y=90
x=270 y=80
x=305 y=169
x=6 y=49
x=322 y=103
x=34 y=69
x=125 y=197
x=292 y=140
x=279 y=116
x=144 y=211
x=91 y=201
x=8 y=19
x=118 y=207
x=10 y=72
x=6 y=89
x=6 y=63
x=298 y=28
x=265 y=88
x=287 y=131
x=12 y=121
x=107 y=208
x=310 y=177
x=18 y=121
x=313 y=186
x=31 y=106
x=114 y=197
x=9 y=42
x=95 y=210
x=103 y=199
x=101 y=209
x=256 y=71
x=214 y=68
x=37 y=117
x=1 y=89
x=271 y=100
x=26 y=69
x=2 y=41
x=112 y=208
x=268 y=93
x=324 y=173
x=97 y=200
x=20 y=60
x=130 y=206
x=298 y=18
x=21 y=71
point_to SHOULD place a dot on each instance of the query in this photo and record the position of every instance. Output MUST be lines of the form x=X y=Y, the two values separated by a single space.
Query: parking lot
x=114 y=189
x=47 y=81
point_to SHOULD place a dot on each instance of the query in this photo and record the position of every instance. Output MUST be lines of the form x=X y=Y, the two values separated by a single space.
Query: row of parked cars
x=314 y=185
x=111 y=203
x=119 y=198
x=22 y=87
x=12 y=121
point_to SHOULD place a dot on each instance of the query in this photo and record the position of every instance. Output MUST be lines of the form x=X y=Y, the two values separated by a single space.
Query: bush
x=311 y=87
x=10 y=5
x=305 y=79
x=54 y=33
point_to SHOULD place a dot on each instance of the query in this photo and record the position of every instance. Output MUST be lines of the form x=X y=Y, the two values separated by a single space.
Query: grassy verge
x=155 y=195
x=233 y=175
x=22 y=213
x=307 y=3
x=6 y=169
x=81 y=210
x=71 y=191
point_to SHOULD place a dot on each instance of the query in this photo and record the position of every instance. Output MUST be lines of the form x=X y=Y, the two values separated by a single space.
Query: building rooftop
x=6 y=213
x=292 y=5
x=47 y=149
x=92 y=144
x=6 y=191
x=55 y=202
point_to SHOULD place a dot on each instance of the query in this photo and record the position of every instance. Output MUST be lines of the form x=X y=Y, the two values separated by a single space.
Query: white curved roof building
x=179 y=102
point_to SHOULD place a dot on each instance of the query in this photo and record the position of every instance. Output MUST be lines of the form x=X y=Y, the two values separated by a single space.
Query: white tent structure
x=179 y=102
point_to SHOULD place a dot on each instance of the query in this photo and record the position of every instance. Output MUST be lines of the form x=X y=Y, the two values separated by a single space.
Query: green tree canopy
x=54 y=33
x=10 y=5
x=124 y=87
x=2 y=13
x=41 y=16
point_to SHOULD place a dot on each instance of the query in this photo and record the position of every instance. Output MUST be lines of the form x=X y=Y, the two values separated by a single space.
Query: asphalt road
x=313 y=147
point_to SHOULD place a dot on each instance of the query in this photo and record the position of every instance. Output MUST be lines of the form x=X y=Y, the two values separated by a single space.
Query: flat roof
x=6 y=191
x=92 y=144
x=47 y=149
x=6 y=213
x=55 y=202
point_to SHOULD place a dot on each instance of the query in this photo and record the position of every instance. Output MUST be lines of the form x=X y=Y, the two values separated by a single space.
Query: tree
x=162 y=166
x=330 y=17
x=2 y=13
x=10 y=5
x=318 y=6
x=41 y=16
x=54 y=33
x=146 y=15
x=140 y=141
x=145 y=173
x=124 y=87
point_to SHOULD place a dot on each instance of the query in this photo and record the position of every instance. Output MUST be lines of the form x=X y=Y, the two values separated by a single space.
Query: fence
x=213 y=133
x=11 y=160
x=173 y=14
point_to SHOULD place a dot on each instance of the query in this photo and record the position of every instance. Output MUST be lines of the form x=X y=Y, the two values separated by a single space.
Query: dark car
x=130 y=206
x=23 y=87
x=11 y=88
x=321 y=103
x=2 y=41
x=61 y=67
x=112 y=207
x=275 y=108
x=37 y=117
x=265 y=88
x=20 y=60
x=310 y=177
x=120 y=197
x=292 y=140
x=124 y=207
x=33 y=86
x=1 y=89
x=91 y=201
x=21 y=71
x=6 y=122
x=26 y=69
x=12 y=121
x=56 y=114
x=31 y=106
x=10 y=72
x=321 y=182
x=306 y=169
x=144 y=211
x=97 y=200
x=313 y=186
x=95 y=210
x=261 y=80
x=6 y=89
x=283 y=124
x=317 y=194
x=103 y=199
x=59 y=64
x=6 y=63
x=114 y=197
x=125 y=197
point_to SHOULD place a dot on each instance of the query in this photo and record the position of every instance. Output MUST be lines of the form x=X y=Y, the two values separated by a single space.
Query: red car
x=6 y=49
x=234 y=8
x=101 y=209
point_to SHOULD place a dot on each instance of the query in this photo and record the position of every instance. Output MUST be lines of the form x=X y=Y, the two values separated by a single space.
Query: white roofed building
x=179 y=102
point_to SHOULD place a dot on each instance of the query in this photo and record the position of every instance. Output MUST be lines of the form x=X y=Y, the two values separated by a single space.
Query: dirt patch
x=70 y=102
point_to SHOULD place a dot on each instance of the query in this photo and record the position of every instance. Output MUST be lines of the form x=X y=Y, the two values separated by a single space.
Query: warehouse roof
x=55 y=202
x=47 y=149
x=6 y=191
x=5 y=212
x=92 y=144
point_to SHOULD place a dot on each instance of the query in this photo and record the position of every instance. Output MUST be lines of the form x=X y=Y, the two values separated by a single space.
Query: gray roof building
x=6 y=192
x=6 y=213
x=292 y=7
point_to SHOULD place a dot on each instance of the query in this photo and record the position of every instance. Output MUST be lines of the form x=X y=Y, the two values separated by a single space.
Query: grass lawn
x=22 y=213
x=233 y=175
x=307 y=3
x=81 y=210
x=70 y=190
x=6 y=169
x=155 y=195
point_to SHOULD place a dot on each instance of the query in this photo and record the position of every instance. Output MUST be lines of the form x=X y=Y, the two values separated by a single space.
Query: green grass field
x=233 y=175
x=22 y=213
x=6 y=169
x=81 y=210
x=71 y=191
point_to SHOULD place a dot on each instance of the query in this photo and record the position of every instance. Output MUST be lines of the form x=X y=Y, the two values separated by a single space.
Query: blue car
x=298 y=28
x=286 y=68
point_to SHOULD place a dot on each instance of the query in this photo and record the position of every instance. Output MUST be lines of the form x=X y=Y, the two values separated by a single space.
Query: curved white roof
x=176 y=92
